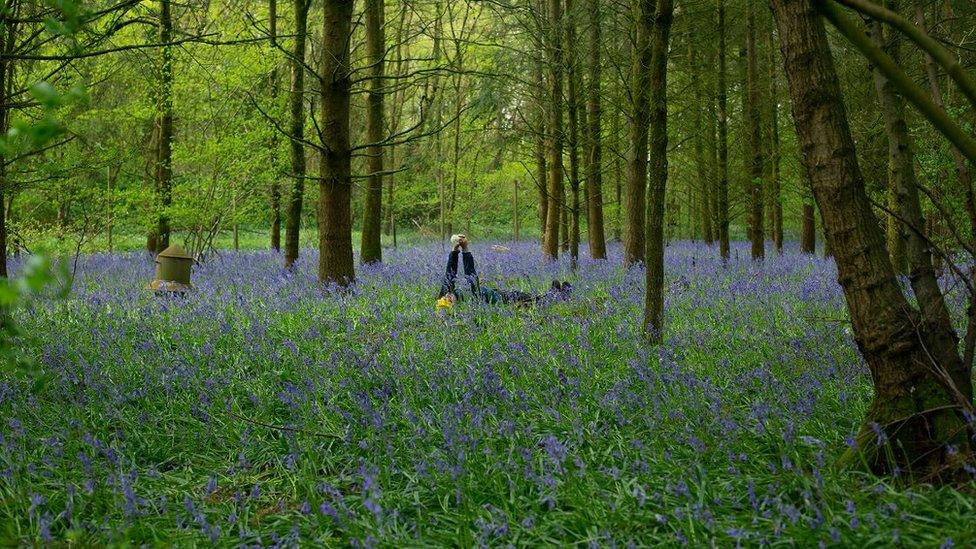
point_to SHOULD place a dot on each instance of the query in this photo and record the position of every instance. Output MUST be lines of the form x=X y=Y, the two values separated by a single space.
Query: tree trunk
x=775 y=192
x=515 y=213
x=935 y=314
x=964 y=179
x=722 y=189
x=573 y=84
x=371 y=250
x=164 y=122
x=808 y=234
x=594 y=151
x=916 y=407
x=296 y=132
x=6 y=46
x=703 y=204
x=634 y=236
x=750 y=112
x=564 y=216
x=273 y=144
x=897 y=232
x=110 y=206
x=540 y=152
x=335 y=184
x=658 y=26
x=555 y=198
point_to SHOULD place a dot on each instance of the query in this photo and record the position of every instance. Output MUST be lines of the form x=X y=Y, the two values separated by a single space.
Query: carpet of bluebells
x=265 y=410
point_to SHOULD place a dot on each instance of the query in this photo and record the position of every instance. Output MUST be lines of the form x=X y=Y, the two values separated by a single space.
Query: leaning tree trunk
x=296 y=133
x=594 y=150
x=751 y=114
x=370 y=250
x=916 y=409
x=634 y=236
x=722 y=187
x=901 y=170
x=965 y=182
x=555 y=198
x=164 y=123
x=335 y=183
x=660 y=29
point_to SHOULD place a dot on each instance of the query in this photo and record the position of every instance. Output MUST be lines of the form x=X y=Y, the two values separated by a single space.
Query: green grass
x=547 y=426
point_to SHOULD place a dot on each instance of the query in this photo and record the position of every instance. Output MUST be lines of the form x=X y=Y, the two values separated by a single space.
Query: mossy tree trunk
x=916 y=412
x=370 y=250
x=296 y=132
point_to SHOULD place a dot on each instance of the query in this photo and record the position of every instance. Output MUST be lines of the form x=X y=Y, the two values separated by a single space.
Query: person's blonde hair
x=456 y=239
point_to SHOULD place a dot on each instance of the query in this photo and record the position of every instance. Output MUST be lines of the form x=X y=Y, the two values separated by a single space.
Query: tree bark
x=658 y=24
x=371 y=250
x=722 y=189
x=273 y=144
x=808 y=233
x=335 y=184
x=916 y=406
x=754 y=134
x=594 y=152
x=164 y=123
x=555 y=198
x=296 y=132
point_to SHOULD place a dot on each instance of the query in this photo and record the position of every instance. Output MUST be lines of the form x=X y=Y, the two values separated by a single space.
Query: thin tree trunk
x=916 y=408
x=701 y=166
x=775 y=192
x=296 y=132
x=273 y=144
x=594 y=152
x=751 y=114
x=573 y=84
x=555 y=199
x=110 y=206
x=540 y=153
x=515 y=213
x=659 y=29
x=723 y=141
x=634 y=237
x=6 y=39
x=370 y=249
x=335 y=184
x=164 y=121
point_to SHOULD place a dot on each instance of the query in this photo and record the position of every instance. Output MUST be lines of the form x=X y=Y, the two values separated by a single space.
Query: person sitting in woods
x=448 y=293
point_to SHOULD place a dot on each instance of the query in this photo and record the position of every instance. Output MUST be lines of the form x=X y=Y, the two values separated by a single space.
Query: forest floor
x=263 y=409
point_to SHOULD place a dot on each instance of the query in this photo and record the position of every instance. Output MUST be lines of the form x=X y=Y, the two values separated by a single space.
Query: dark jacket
x=448 y=285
